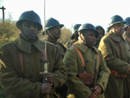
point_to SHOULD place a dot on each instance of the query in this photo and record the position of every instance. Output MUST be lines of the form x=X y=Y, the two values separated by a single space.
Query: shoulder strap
x=80 y=55
x=21 y=60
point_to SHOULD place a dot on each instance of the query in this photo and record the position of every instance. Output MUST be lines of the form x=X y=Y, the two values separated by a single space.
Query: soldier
x=116 y=54
x=127 y=31
x=101 y=32
x=74 y=36
x=87 y=70
x=52 y=28
x=22 y=60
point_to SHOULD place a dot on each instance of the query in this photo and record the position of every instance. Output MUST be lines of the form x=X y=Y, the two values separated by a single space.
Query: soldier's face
x=89 y=37
x=29 y=30
x=55 y=32
x=101 y=34
x=118 y=29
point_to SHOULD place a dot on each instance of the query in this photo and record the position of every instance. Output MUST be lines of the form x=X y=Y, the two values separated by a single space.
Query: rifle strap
x=21 y=60
x=82 y=59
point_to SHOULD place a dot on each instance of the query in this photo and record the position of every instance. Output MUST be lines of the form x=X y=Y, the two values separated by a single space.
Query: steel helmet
x=116 y=19
x=51 y=22
x=100 y=27
x=76 y=27
x=88 y=26
x=127 y=20
x=75 y=31
x=30 y=16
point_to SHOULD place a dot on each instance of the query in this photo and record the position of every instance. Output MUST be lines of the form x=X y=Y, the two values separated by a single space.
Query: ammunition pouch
x=86 y=78
x=118 y=75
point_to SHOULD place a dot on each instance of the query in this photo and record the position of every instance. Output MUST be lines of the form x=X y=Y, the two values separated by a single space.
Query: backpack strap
x=80 y=55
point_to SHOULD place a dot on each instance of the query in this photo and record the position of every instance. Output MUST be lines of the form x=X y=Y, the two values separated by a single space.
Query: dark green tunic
x=28 y=83
x=117 y=55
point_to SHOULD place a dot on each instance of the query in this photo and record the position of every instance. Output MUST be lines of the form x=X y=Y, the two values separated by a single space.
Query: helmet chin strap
x=50 y=35
x=82 y=39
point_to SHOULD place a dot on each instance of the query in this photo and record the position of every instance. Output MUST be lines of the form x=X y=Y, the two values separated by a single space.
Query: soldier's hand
x=96 y=91
x=47 y=78
x=46 y=88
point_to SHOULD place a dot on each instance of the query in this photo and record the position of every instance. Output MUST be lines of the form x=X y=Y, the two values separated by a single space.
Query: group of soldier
x=92 y=65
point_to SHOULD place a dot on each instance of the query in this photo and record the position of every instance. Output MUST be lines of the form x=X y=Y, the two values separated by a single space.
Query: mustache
x=59 y=32
x=32 y=32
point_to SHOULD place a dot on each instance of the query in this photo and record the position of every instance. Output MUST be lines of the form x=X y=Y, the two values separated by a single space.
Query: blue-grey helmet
x=75 y=31
x=115 y=20
x=51 y=22
x=127 y=20
x=88 y=26
x=100 y=27
x=76 y=27
x=30 y=16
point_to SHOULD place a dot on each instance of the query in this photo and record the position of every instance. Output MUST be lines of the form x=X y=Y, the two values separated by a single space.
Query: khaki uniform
x=117 y=55
x=61 y=47
x=127 y=37
x=27 y=83
x=76 y=88
x=68 y=45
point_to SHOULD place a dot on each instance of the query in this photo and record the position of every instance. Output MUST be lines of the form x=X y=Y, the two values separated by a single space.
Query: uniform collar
x=26 y=46
x=51 y=40
x=115 y=37
x=79 y=44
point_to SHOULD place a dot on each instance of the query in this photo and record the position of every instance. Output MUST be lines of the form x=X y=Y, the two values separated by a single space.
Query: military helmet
x=127 y=20
x=88 y=26
x=30 y=16
x=76 y=27
x=100 y=27
x=75 y=31
x=51 y=22
x=116 y=19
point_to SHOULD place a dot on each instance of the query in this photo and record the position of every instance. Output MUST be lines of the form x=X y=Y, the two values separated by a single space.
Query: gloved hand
x=96 y=91
x=47 y=78
x=46 y=88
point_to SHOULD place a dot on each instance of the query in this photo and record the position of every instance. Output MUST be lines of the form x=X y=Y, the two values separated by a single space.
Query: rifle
x=46 y=62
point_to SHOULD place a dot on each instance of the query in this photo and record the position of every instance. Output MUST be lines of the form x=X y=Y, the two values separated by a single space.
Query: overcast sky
x=69 y=12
